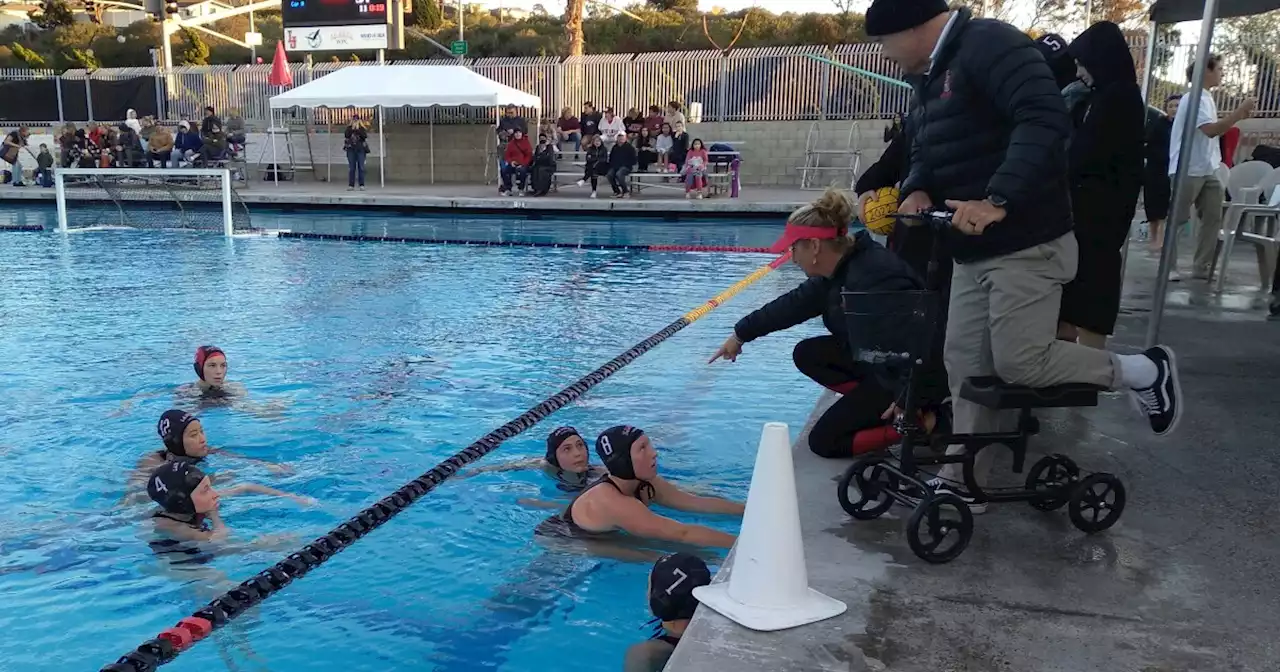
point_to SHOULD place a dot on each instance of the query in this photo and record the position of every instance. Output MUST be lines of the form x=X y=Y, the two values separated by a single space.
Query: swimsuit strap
x=567 y=516
x=185 y=521
x=670 y=639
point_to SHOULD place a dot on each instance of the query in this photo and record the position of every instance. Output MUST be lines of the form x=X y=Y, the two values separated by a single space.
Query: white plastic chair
x=1256 y=224
x=1244 y=176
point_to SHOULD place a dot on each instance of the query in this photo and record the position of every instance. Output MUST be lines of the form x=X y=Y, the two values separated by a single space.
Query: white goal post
x=146 y=185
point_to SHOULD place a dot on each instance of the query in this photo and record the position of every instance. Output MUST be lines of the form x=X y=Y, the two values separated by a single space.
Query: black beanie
x=886 y=17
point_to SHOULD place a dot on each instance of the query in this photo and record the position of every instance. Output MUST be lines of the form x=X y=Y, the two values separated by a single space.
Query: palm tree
x=573 y=27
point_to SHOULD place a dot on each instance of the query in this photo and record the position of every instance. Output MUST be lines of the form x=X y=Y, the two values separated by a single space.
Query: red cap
x=795 y=233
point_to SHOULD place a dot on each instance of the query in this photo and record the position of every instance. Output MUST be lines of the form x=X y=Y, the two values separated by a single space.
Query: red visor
x=794 y=233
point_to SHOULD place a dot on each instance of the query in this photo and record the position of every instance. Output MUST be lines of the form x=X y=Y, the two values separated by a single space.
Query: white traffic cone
x=768 y=586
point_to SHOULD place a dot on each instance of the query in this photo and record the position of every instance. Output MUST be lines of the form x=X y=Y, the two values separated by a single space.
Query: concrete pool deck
x=1187 y=580
x=453 y=197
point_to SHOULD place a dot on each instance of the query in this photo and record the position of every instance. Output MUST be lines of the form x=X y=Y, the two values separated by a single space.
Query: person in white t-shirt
x=1202 y=186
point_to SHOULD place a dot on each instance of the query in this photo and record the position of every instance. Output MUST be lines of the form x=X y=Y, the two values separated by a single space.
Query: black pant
x=827 y=361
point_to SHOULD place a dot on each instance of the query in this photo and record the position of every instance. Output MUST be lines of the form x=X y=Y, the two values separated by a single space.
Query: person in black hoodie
x=597 y=161
x=622 y=160
x=544 y=165
x=817 y=237
x=989 y=143
x=1106 y=165
x=1157 y=189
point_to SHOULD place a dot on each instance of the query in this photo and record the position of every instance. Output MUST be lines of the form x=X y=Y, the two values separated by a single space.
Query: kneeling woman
x=817 y=236
x=620 y=501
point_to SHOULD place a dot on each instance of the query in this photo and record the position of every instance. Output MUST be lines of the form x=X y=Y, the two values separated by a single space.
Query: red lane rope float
x=507 y=243
x=173 y=641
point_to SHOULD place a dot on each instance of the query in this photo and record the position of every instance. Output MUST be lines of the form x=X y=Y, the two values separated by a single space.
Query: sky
x=776 y=6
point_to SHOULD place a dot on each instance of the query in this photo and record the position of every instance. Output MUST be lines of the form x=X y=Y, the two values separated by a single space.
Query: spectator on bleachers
x=160 y=150
x=235 y=129
x=512 y=122
x=66 y=142
x=663 y=145
x=696 y=162
x=355 y=142
x=622 y=160
x=131 y=120
x=213 y=148
x=568 y=129
x=647 y=155
x=148 y=129
x=78 y=151
x=210 y=120
x=597 y=162
x=654 y=121
x=590 y=121
x=675 y=114
x=517 y=158
x=544 y=165
x=611 y=127
x=186 y=146
x=128 y=147
x=679 y=147
x=634 y=121
x=548 y=128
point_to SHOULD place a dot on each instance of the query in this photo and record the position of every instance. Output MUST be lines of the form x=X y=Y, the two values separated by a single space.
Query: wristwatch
x=998 y=201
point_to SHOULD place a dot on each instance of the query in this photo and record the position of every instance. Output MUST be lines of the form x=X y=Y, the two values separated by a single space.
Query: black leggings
x=827 y=361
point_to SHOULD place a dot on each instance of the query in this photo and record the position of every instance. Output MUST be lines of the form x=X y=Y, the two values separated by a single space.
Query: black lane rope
x=168 y=644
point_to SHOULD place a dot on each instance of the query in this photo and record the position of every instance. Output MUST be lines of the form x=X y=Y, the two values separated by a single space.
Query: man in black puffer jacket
x=989 y=142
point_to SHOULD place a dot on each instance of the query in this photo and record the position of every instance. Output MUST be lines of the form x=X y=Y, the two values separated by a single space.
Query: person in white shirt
x=611 y=127
x=1202 y=187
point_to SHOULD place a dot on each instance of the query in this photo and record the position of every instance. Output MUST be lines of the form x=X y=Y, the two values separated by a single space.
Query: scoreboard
x=333 y=12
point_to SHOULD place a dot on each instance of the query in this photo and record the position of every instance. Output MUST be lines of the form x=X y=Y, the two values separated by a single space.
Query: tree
x=31 y=58
x=539 y=10
x=52 y=14
x=1122 y=12
x=990 y=9
x=79 y=58
x=674 y=5
x=844 y=9
x=574 y=44
x=194 y=50
x=428 y=15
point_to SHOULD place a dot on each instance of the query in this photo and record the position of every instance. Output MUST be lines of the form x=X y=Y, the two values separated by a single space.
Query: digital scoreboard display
x=333 y=12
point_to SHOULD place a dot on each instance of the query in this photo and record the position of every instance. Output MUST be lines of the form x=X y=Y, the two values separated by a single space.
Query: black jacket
x=867 y=267
x=544 y=156
x=1106 y=157
x=1159 y=130
x=597 y=157
x=623 y=155
x=989 y=120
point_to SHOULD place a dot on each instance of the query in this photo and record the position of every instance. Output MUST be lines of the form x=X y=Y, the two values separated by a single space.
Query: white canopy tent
x=402 y=86
x=1177 y=11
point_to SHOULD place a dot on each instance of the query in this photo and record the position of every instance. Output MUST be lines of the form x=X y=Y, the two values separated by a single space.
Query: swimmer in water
x=184 y=439
x=211 y=388
x=567 y=462
x=211 y=371
x=620 y=501
x=189 y=507
x=671 y=600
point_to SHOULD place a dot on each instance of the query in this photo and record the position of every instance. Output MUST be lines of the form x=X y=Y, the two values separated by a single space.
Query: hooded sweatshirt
x=1106 y=154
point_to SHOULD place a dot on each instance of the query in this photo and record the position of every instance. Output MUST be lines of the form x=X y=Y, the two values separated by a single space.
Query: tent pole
x=382 y=151
x=1149 y=70
x=275 y=163
x=1168 y=256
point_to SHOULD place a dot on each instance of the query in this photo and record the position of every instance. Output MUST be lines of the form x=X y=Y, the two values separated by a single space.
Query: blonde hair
x=834 y=210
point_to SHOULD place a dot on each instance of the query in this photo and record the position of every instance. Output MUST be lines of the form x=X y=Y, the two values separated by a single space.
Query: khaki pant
x=1208 y=194
x=1003 y=321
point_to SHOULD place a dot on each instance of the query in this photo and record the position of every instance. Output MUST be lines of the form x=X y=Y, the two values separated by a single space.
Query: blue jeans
x=618 y=179
x=16 y=171
x=521 y=174
x=576 y=137
x=355 y=167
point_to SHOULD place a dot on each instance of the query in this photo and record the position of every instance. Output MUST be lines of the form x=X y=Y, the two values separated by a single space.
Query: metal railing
x=764 y=84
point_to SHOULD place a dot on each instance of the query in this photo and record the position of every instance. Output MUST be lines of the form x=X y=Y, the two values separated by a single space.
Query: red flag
x=281 y=75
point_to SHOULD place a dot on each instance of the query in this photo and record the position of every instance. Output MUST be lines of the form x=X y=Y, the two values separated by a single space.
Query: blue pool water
x=370 y=364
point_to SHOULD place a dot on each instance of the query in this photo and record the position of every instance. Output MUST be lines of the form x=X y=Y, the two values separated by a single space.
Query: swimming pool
x=386 y=359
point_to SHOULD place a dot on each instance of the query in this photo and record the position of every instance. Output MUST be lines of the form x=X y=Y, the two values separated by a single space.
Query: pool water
x=367 y=364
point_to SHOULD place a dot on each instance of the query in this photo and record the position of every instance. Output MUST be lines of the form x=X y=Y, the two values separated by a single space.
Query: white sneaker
x=581 y=182
x=362 y=187
x=351 y=188
x=593 y=194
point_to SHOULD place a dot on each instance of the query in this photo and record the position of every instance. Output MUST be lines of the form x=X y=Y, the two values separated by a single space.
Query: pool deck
x=1187 y=581
x=485 y=198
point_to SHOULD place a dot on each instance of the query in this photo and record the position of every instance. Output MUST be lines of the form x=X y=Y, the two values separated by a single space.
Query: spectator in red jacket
x=516 y=161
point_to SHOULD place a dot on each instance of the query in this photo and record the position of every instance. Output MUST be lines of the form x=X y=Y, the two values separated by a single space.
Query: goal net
x=149 y=198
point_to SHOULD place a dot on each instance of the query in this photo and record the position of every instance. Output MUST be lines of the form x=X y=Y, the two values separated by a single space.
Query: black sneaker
x=1162 y=402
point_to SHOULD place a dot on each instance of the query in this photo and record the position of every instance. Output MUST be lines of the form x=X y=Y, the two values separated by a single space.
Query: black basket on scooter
x=893 y=331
